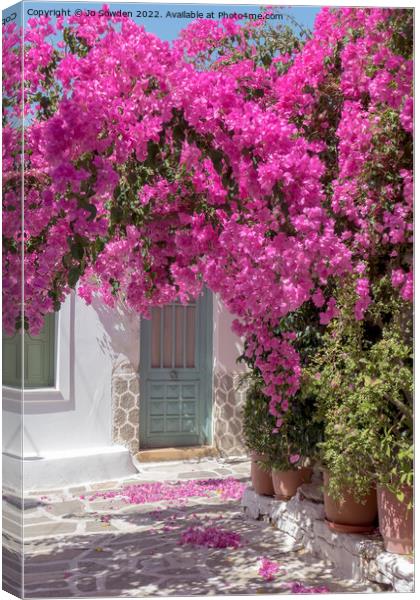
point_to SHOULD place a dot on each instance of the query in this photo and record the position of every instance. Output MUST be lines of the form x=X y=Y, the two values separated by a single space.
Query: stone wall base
x=357 y=557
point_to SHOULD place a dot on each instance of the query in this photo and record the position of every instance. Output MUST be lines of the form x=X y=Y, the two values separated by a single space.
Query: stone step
x=181 y=453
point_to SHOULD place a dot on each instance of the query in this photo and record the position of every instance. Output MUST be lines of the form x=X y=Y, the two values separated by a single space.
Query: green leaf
x=91 y=208
x=116 y=214
x=266 y=60
x=400 y=496
x=73 y=276
x=77 y=251
x=66 y=260
x=99 y=245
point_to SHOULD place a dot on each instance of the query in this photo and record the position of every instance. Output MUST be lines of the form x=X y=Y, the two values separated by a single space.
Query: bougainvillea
x=299 y=588
x=210 y=537
x=152 y=169
x=229 y=489
x=268 y=569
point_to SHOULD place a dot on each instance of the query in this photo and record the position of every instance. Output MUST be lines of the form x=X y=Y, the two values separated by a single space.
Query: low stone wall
x=358 y=557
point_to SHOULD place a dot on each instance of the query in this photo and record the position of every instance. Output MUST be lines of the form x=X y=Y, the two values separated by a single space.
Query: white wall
x=101 y=337
x=73 y=422
x=227 y=346
x=75 y=418
x=91 y=339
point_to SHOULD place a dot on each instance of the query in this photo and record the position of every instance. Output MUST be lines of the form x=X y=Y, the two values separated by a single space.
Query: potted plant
x=258 y=425
x=288 y=475
x=394 y=451
x=395 y=498
x=345 y=512
x=293 y=450
x=287 y=451
x=348 y=474
x=362 y=378
x=336 y=376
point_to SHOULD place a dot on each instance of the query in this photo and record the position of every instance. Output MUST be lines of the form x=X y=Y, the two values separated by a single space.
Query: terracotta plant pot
x=396 y=520
x=261 y=480
x=286 y=483
x=348 y=516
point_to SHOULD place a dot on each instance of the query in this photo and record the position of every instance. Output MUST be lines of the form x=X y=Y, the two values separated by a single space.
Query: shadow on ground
x=149 y=561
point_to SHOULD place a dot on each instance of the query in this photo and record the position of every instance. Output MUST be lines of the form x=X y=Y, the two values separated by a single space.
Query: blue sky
x=165 y=28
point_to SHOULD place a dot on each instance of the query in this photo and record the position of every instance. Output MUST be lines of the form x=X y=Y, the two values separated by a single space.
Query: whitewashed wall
x=67 y=432
x=84 y=428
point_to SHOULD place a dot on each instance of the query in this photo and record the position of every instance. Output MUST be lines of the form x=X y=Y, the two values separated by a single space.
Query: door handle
x=173 y=374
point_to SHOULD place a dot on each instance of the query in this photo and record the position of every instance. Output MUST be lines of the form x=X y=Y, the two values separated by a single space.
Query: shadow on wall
x=121 y=337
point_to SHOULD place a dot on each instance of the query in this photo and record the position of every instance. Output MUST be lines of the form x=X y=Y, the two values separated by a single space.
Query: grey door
x=175 y=375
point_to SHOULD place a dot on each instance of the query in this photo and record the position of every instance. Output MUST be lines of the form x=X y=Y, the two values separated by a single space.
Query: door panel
x=176 y=355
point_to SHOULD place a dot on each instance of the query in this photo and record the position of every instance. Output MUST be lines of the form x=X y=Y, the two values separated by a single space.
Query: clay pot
x=396 y=520
x=286 y=483
x=348 y=516
x=261 y=480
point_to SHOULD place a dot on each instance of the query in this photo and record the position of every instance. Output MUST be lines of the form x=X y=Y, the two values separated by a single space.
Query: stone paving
x=76 y=546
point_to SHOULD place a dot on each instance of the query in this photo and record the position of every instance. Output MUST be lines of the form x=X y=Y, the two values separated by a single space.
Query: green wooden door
x=38 y=352
x=175 y=375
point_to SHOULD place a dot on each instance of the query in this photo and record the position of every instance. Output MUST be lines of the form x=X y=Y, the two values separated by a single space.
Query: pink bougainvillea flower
x=210 y=537
x=294 y=458
x=268 y=569
x=212 y=214
x=105 y=518
x=178 y=493
x=299 y=588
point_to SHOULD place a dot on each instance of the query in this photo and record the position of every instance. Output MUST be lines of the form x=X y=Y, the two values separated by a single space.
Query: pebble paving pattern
x=79 y=543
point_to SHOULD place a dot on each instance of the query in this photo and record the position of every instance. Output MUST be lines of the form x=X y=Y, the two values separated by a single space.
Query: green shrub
x=258 y=424
x=298 y=436
x=362 y=380
x=301 y=430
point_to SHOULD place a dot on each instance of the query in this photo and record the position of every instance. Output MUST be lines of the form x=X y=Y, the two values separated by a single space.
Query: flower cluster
x=148 y=175
x=268 y=569
x=210 y=537
x=229 y=489
x=299 y=588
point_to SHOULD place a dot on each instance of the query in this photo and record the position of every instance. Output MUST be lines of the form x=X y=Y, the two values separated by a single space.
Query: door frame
x=205 y=353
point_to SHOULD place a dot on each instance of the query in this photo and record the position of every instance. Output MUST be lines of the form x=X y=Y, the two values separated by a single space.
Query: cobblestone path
x=79 y=544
